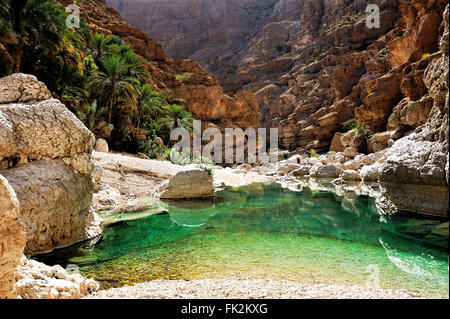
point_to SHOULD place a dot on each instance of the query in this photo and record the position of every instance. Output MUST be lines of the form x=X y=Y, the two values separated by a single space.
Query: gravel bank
x=246 y=289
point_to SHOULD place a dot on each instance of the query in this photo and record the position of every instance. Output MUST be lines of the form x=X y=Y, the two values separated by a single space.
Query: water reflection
x=269 y=230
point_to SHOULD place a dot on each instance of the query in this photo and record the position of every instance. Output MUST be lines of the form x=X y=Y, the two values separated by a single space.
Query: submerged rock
x=192 y=183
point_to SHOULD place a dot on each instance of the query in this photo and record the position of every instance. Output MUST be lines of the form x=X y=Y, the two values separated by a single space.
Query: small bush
x=314 y=154
x=349 y=125
x=209 y=170
x=361 y=128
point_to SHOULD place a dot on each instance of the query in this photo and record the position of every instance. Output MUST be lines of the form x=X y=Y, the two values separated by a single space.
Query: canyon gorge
x=312 y=65
x=305 y=67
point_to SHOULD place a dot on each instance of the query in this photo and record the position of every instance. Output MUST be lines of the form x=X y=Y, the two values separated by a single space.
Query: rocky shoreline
x=247 y=289
x=120 y=183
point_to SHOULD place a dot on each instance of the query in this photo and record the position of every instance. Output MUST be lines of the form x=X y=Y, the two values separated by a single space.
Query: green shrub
x=209 y=170
x=314 y=154
x=361 y=128
x=349 y=125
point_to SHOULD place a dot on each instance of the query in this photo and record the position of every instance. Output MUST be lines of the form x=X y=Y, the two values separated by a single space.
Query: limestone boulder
x=324 y=171
x=22 y=88
x=101 y=145
x=371 y=173
x=350 y=152
x=286 y=167
x=44 y=129
x=191 y=183
x=55 y=205
x=350 y=165
x=47 y=152
x=303 y=170
x=350 y=175
x=12 y=238
x=36 y=280
x=336 y=144
x=378 y=142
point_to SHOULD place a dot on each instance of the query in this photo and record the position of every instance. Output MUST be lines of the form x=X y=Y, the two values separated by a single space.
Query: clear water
x=265 y=231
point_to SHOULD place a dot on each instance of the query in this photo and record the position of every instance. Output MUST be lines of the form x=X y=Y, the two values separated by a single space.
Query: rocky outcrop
x=45 y=155
x=415 y=176
x=191 y=183
x=35 y=280
x=180 y=81
x=12 y=238
x=311 y=64
x=55 y=205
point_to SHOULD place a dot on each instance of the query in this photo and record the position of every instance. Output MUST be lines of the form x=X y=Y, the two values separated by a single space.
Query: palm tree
x=100 y=46
x=177 y=116
x=71 y=84
x=147 y=100
x=27 y=21
x=136 y=67
x=92 y=113
x=114 y=82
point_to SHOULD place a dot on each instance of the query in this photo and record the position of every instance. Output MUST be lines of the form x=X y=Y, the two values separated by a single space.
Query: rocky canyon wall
x=183 y=81
x=307 y=66
x=312 y=64
x=45 y=157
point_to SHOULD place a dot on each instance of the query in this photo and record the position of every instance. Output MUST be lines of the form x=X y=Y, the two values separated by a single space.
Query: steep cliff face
x=211 y=32
x=415 y=175
x=312 y=64
x=184 y=80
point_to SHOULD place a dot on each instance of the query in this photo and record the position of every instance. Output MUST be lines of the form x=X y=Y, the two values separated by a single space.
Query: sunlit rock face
x=182 y=81
x=415 y=175
x=311 y=64
x=45 y=157
x=12 y=237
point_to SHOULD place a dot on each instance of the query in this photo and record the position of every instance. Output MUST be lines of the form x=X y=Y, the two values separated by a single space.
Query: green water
x=265 y=231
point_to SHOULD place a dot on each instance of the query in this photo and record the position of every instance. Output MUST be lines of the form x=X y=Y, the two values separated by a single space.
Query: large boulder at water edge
x=191 y=183
x=45 y=153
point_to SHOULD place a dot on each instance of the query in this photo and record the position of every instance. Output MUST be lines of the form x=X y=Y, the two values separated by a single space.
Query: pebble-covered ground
x=246 y=289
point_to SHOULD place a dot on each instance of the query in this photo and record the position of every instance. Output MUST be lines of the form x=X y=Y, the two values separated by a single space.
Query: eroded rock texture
x=191 y=183
x=55 y=205
x=312 y=64
x=12 y=238
x=35 y=280
x=181 y=81
x=45 y=156
x=415 y=175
